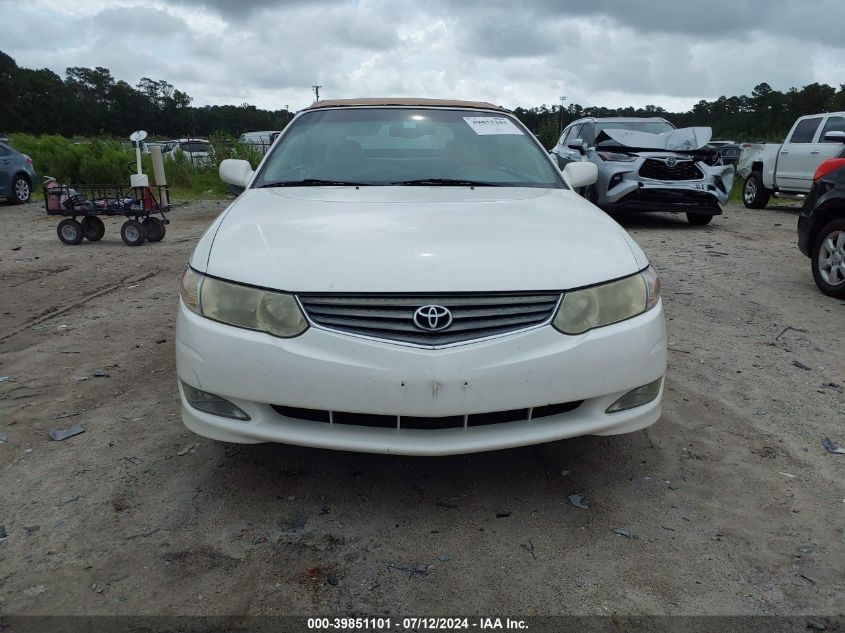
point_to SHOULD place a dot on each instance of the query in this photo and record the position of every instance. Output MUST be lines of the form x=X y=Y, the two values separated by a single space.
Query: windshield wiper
x=446 y=182
x=314 y=182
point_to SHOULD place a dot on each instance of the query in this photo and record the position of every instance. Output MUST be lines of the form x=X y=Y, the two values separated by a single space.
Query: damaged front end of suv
x=674 y=171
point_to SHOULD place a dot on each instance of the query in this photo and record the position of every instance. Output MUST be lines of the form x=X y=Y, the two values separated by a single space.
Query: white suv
x=196 y=150
x=416 y=277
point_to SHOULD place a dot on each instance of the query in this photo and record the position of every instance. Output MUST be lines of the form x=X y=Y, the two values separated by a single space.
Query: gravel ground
x=735 y=505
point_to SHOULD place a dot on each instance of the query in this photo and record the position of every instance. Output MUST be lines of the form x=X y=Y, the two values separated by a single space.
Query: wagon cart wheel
x=70 y=231
x=93 y=228
x=133 y=233
x=155 y=229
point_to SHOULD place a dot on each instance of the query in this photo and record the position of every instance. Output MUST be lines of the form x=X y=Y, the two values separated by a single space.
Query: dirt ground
x=736 y=506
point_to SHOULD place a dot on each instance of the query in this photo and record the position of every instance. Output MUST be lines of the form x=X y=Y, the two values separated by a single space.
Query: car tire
x=155 y=229
x=827 y=259
x=133 y=233
x=699 y=219
x=70 y=232
x=754 y=193
x=21 y=190
x=93 y=228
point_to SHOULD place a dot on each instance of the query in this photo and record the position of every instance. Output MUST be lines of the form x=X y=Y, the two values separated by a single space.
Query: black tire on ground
x=699 y=219
x=70 y=231
x=591 y=193
x=93 y=228
x=133 y=233
x=829 y=247
x=754 y=193
x=21 y=190
x=155 y=229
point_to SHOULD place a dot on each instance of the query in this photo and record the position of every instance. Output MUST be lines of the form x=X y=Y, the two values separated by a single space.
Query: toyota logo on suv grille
x=432 y=318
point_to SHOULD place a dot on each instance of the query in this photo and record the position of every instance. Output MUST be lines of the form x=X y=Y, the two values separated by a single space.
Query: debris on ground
x=801 y=365
x=564 y=473
x=832 y=385
x=3 y=438
x=62 y=434
x=411 y=569
x=64 y=415
x=130 y=458
x=3 y=532
x=101 y=373
x=451 y=503
x=787 y=329
x=443 y=558
x=529 y=548
x=830 y=447
x=503 y=515
x=190 y=448
x=6 y=378
x=578 y=502
x=788 y=475
x=332 y=580
x=625 y=533
x=32 y=529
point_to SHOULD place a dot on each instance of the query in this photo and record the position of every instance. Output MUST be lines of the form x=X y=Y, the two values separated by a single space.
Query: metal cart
x=84 y=205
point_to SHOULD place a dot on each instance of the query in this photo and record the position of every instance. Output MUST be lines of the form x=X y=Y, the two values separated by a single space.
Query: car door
x=795 y=165
x=6 y=166
x=566 y=154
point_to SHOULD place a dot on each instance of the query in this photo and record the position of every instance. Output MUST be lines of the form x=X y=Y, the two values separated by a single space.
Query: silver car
x=646 y=164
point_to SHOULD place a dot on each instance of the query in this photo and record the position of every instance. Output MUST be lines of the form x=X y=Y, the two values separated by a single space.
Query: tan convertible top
x=436 y=103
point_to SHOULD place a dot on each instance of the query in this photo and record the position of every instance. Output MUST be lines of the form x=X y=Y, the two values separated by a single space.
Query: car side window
x=565 y=136
x=575 y=132
x=834 y=124
x=805 y=130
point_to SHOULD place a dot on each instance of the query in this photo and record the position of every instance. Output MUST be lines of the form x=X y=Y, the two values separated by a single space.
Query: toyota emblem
x=432 y=318
x=671 y=161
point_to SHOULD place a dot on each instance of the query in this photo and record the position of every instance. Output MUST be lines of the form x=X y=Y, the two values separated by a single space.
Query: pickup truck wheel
x=699 y=219
x=754 y=194
x=828 y=259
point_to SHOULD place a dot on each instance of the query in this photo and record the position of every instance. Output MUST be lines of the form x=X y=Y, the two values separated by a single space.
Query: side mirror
x=581 y=174
x=577 y=144
x=235 y=172
x=836 y=136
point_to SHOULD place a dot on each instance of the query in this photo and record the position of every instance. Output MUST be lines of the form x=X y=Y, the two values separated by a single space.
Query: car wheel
x=93 y=228
x=828 y=259
x=21 y=191
x=70 y=231
x=699 y=219
x=155 y=229
x=133 y=233
x=754 y=194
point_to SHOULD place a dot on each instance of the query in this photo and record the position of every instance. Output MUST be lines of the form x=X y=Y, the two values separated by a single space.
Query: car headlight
x=276 y=313
x=617 y=157
x=583 y=310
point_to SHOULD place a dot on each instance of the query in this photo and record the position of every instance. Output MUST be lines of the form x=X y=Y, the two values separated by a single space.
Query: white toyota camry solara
x=416 y=277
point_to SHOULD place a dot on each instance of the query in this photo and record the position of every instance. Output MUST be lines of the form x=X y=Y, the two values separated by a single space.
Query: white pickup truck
x=786 y=170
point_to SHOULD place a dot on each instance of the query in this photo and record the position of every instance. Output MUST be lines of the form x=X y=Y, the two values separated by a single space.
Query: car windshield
x=652 y=127
x=408 y=146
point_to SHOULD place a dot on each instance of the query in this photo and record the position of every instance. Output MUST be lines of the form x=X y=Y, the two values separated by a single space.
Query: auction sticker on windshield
x=484 y=125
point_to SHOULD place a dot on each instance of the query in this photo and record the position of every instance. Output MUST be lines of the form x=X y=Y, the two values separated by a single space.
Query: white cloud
x=596 y=53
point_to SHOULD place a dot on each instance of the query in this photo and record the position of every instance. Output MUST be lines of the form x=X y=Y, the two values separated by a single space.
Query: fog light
x=636 y=398
x=209 y=403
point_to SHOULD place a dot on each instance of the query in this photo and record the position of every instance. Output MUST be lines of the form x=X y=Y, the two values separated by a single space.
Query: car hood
x=416 y=239
x=686 y=139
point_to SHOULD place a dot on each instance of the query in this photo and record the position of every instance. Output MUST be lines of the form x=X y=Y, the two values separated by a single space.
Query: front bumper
x=621 y=187
x=331 y=371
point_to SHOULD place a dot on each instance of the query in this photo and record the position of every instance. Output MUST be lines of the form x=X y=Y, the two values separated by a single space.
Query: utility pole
x=317 y=91
x=287 y=113
x=560 y=122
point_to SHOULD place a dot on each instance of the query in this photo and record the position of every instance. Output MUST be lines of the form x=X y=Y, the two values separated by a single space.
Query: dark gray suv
x=17 y=175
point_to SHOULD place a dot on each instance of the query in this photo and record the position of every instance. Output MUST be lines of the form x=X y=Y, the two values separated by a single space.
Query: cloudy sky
x=596 y=52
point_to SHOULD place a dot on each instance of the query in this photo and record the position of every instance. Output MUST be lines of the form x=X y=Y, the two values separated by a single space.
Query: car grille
x=375 y=420
x=391 y=317
x=659 y=170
